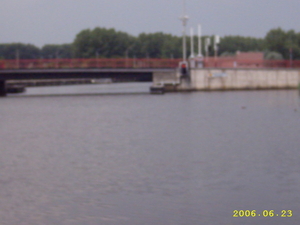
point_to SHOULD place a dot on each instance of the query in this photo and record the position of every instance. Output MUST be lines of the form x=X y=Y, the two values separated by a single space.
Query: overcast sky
x=42 y=22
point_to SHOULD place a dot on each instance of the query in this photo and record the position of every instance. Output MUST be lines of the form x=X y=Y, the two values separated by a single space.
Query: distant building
x=249 y=59
x=249 y=55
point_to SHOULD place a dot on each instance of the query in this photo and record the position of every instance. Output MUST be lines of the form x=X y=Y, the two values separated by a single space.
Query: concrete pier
x=206 y=79
x=2 y=88
x=165 y=81
x=243 y=79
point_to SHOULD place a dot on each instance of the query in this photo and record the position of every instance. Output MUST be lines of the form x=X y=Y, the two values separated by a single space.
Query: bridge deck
x=130 y=74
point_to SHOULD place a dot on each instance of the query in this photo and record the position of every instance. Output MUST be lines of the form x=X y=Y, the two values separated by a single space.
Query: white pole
x=216 y=42
x=192 y=43
x=184 y=20
x=199 y=41
x=184 y=46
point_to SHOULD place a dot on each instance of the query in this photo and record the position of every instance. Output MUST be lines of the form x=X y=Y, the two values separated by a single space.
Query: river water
x=115 y=155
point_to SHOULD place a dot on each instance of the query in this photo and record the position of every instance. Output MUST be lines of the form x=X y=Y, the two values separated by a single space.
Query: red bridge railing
x=141 y=63
x=260 y=63
x=88 y=63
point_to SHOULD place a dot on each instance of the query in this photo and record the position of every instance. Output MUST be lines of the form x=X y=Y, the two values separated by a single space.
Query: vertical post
x=184 y=46
x=2 y=88
x=56 y=59
x=216 y=54
x=199 y=56
x=207 y=44
x=17 y=59
x=216 y=42
x=126 y=58
x=72 y=65
x=192 y=44
x=291 y=57
x=97 y=61
x=147 y=62
x=126 y=55
x=184 y=20
x=199 y=41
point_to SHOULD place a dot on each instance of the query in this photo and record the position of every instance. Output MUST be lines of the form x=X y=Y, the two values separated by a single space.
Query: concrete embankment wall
x=235 y=79
x=165 y=77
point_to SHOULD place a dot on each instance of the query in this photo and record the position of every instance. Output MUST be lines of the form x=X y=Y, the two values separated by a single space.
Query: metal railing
x=249 y=63
x=209 y=62
x=88 y=63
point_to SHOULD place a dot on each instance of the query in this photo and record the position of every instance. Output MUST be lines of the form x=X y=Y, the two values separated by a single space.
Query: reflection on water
x=181 y=158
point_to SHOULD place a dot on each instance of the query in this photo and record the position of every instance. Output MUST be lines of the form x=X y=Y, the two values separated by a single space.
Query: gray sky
x=42 y=22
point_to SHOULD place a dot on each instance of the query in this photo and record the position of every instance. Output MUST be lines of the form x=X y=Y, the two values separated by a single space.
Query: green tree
x=103 y=42
x=282 y=42
x=275 y=41
x=23 y=51
x=51 y=51
x=82 y=45
x=172 y=47
x=158 y=45
x=109 y=43
x=292 y=44
x=232 y=44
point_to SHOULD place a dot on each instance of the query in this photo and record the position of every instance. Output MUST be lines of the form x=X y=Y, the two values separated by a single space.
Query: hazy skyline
x=42 y=22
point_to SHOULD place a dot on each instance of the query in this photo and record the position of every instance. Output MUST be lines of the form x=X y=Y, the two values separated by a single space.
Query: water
x=91 y=155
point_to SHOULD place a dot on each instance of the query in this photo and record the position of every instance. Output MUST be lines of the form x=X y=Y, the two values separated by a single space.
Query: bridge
x=88 y=63
x=130 y=70
x=116 y=75
x=117 y=69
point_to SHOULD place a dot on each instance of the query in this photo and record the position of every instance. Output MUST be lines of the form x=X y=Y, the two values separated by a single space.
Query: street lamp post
x=199 y=42
x=291 y=57
x=216 y=42
x=56 y=58
x=97 y=61
x=207 y=44
x=97 y=57
x=184 y=20
x=126 y=54
x=18 y=59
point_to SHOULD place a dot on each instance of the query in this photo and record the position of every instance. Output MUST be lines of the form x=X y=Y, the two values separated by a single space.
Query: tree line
x=109 y=43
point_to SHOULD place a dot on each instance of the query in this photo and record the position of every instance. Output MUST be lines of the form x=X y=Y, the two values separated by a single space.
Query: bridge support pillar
x=3 y=90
